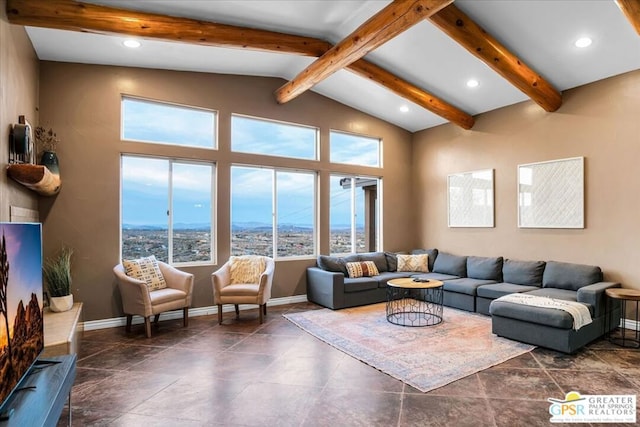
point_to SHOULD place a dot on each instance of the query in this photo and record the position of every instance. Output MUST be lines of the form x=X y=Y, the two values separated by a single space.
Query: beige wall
x=82 y=103
x=18 y=96
x=599 y=121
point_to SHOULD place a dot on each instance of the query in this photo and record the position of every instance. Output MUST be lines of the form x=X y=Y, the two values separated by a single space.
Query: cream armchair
x=230 y=285
x=138 y=300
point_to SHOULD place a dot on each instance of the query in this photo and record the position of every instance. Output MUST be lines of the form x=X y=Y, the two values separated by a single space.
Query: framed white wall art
x=470 y=199
x=551 y=194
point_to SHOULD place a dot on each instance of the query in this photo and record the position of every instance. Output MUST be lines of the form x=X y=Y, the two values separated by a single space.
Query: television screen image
x=21 y=320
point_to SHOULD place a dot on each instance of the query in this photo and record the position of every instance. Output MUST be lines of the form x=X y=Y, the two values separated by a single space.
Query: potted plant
x=57 y=276
x=47 y=142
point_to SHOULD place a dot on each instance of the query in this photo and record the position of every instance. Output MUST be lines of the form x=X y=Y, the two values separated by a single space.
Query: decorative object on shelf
x=21 y=146
x=57 y=276
x=44 y=178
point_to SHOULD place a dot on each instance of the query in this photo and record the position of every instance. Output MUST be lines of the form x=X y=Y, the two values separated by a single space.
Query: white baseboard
x=193 y=312
x=629 y=324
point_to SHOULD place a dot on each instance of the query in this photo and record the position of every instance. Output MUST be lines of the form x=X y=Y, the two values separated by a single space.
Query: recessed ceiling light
x=131 y=43
x=404 y=109
x=472 y=83
x=583 y=42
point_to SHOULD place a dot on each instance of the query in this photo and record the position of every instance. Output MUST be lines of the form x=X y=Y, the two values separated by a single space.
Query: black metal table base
x=620 y=338
x=414 y=307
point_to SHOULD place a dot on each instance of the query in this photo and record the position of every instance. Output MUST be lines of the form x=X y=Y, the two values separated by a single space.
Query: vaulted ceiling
x=406 y=61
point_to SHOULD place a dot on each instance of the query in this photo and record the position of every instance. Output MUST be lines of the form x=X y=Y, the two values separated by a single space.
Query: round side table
x=625 y=295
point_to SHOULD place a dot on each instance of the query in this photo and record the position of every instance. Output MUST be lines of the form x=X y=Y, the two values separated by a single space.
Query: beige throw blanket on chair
x=578 y=311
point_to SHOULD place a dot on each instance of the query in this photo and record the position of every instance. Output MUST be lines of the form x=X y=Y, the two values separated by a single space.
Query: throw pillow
x=418 y=263
x=147 y=270
x=246 y=268
x=362 y=269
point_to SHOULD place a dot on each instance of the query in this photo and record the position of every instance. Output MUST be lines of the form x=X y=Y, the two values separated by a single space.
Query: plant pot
x=59 y=304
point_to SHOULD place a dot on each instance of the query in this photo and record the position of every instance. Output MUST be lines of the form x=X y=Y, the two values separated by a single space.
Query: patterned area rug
x=423 y=357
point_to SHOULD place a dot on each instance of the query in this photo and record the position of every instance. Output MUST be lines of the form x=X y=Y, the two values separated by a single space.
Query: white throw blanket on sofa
x=578 y=311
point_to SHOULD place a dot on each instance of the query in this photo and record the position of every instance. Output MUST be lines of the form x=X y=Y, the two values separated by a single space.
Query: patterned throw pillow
x=362 y=269
x=418 y=263
x=147 y=270
x=246 y=268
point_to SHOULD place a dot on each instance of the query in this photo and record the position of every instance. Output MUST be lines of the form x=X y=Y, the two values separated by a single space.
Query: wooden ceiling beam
x=631 y=9
x=90 y=18
x=457 y=25
x=71 y=15
x=412 y=93
x=397 y=17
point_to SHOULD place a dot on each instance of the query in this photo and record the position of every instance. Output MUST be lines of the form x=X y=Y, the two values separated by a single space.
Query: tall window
x=167 y=209
x=354 y=214
x=164 y=123
x=354 y=149
x=272 y=212
x=259 y=136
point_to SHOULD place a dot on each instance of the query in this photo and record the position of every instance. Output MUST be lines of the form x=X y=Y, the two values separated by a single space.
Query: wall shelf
x=35 y=177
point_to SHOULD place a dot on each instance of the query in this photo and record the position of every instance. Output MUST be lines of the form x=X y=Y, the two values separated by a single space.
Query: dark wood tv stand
x=42 y=405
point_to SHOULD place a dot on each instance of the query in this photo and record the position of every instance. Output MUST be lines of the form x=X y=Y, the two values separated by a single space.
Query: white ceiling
x=540 y=32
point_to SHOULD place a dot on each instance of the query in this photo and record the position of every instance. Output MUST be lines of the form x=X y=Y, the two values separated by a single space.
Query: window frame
x=215 y=114
x=354 y=213
x=170 y=208
x=274 y=209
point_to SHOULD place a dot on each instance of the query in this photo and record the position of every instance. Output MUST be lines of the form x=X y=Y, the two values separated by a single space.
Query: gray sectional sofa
x=475 y=283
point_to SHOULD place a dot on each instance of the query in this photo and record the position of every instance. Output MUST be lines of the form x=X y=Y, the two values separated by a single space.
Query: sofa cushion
x=360 y=284
x=392 y=261
x=497 y=290
x=465 y=285
x=378 y=258
x=446 y=263
x=433 y=254
x=362 y=269
x=564 y=275
x=383 y=278
x=541 y=315
x=523 y=272
x=436 y=276
x=417 y=263
x=484 y=268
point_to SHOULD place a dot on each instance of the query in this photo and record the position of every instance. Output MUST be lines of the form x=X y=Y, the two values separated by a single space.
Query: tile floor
x=274 y=374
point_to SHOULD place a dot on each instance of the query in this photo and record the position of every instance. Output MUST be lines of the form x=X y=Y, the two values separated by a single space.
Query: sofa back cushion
x=485 y=268
x=433 y=254
x=392 y=261
x=454 y=265
x=378 y=259
x=523 y=272
x=332 y=263
x=569 y=276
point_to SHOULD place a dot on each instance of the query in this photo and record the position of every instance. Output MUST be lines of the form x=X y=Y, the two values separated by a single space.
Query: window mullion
x=274 y=213
x=170 y=215
x=353 y=215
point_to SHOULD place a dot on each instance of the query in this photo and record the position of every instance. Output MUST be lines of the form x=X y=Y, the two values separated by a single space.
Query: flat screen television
x=21 y=320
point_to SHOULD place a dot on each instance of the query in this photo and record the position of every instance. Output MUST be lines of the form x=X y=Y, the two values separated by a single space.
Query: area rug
x=423 y=357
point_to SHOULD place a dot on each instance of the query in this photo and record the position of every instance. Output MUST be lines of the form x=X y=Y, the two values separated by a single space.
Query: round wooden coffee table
x=414 y=303
x=623 y=295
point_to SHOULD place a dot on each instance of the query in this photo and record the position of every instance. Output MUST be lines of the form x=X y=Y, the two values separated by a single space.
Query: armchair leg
x=264 y=308
x=127 y=328
x=156 y=318
x=219 y=314
x=185 y=317
x=260 y=313
x=147 y=326
x=237 y=311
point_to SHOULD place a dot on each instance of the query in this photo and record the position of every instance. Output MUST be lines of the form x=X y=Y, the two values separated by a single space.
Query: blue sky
x=24 y=253
x=146 y=181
